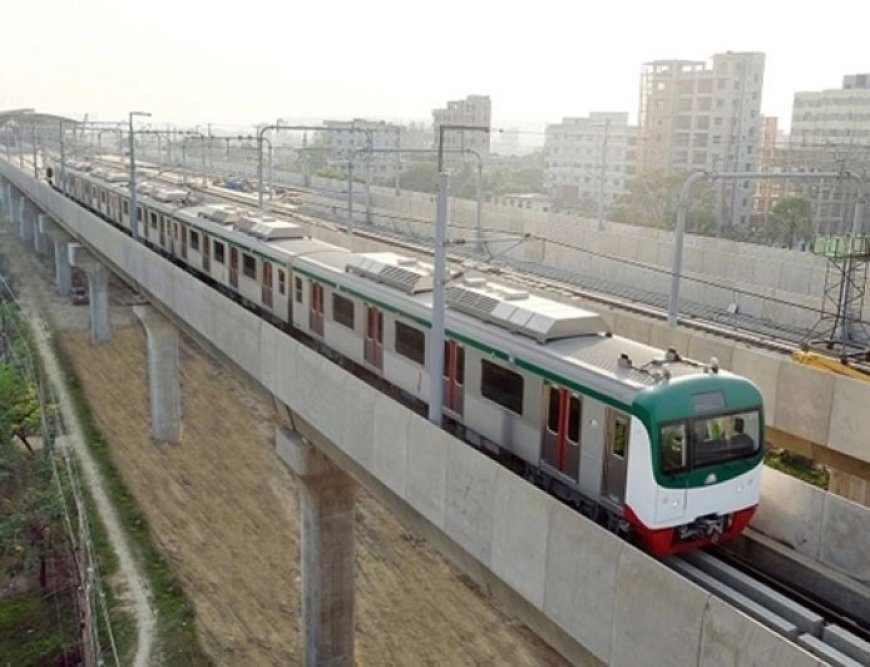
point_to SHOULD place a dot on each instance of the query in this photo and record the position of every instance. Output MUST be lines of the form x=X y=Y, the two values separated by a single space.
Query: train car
x=660 y=448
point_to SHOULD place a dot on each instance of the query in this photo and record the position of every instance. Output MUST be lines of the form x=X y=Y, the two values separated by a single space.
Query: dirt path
x=135 y=584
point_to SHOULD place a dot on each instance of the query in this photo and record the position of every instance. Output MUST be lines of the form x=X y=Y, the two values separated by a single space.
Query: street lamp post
x=33 y=140
x=134 y=211
x=439 y=286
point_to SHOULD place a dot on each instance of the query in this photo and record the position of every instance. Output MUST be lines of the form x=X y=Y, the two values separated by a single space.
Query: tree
x=420 y=177
x=20 y=414
x=651 y=200
x=790 y=220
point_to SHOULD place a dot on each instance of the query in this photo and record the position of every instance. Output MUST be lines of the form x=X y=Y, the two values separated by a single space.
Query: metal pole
x=478 y=225
x=369 y=147
x=603 y=175
x=33 y=139
x=202 y=153
x=398 y=165
x=437 y=335
x=260 y=167
x=679 y=234
x=134 y=211
x=134 y=208
x=62 y=160
x=350 y=197
x=271 y=179
x=183 y=160
x=20 y=144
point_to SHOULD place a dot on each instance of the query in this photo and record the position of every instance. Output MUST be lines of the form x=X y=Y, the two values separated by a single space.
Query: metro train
x=659 y=448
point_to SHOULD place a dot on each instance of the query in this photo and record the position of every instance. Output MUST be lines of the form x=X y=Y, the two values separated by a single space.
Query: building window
x=249 y=266
x=502 y=386
x=194 y=240
x=410 y=342
x=342 y=310
x=219 y=252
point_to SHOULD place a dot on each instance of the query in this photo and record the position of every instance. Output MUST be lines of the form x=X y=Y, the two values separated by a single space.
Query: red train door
x=267 y=284
x=374 y=339
x=315 y=311
x=560 y=440
x=234 y=267
x=454 y=377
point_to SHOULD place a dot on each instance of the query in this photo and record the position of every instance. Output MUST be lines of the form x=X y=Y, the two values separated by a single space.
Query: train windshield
x=709 y=441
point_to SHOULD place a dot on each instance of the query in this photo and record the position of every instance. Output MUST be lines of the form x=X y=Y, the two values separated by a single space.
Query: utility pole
x=603 y=175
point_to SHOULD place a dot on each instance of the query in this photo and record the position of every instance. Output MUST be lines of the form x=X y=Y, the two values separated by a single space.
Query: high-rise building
x=697 y=117
x=837 y=117
x=588 y=159
x=474 y=110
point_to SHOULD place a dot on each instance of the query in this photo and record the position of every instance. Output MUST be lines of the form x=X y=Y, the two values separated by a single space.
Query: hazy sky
x=254 y=60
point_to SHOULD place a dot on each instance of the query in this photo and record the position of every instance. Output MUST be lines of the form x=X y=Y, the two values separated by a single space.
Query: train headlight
x=711 y=478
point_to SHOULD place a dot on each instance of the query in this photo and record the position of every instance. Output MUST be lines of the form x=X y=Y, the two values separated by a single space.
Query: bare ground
x=224 y=511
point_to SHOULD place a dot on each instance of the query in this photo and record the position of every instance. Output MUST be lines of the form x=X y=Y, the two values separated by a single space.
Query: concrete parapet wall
x=818 y=524
x=598 y=591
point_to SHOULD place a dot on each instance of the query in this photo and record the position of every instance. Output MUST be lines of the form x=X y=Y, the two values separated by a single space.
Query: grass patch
x=176 y=641
x=798 y=466
x=36 y=630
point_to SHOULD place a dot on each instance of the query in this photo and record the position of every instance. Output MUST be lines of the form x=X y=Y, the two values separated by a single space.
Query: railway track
x=838 y=636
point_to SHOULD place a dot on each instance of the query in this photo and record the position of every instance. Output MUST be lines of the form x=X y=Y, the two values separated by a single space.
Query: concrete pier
x=39 y=226
x=15 y=208
x=98 y=292
x=327 y=496
x=62 y=269
x=25 y=220
x=164 y=385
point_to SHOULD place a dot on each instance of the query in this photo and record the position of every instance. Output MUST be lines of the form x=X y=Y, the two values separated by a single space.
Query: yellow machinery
x=830 y=364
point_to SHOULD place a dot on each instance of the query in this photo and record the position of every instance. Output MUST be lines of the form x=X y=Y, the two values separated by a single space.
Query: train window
x=554 y=411
x=153 y=220
x=297 y=286
x=342 y=310
x=219 y=252
x=126 y=207
x=717 y=440
x=410 y=343
x=249 y=266
x=194 y=240
x=673 y=445
x=502 y=386
x=282 y=288
x=139 y=213
x=574 y=419
x=620 y=435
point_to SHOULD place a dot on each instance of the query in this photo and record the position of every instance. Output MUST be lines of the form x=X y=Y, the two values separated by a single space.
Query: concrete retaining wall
x=816 y=523
x=624 y=607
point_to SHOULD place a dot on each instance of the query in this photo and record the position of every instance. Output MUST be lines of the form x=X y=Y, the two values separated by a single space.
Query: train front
x=697 y=482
